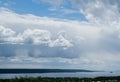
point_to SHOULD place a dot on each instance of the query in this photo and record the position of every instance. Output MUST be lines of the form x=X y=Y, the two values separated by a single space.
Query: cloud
x=53 y=2
x=33 y=36
x=6 y=32
x=58 y=42
x=7 y=3
x=100 y=11
x=36 y=36
x=69 y=11
x=61 y=41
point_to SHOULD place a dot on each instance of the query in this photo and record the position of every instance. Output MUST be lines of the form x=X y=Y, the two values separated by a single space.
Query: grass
x=66 y=79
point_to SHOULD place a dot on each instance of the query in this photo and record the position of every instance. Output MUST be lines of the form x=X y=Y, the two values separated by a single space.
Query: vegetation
x=46 y=79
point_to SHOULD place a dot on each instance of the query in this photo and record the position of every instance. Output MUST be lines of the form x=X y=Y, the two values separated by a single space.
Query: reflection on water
x=78 y=74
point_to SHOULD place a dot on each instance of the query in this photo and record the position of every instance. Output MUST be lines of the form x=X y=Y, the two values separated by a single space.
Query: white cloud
x=82 y=41
x=33 y=36
x=6 y=32
x=61 y=41
x=7 y=3
x=36 y=36
x=69 y=11
x=53 y=2
x=100 y=11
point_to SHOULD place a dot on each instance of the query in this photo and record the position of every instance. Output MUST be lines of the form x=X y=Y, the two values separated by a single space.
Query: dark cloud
x=11 y=50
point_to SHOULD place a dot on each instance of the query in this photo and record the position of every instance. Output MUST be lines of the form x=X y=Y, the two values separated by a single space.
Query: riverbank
x=66 y=79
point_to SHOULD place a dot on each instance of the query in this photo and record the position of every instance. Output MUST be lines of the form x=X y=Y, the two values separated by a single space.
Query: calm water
x=78 y=74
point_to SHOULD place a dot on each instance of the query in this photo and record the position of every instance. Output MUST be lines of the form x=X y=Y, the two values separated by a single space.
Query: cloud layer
x=93 y=44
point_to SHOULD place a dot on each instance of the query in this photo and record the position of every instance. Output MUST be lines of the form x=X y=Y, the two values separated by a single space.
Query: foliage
x=66 y=79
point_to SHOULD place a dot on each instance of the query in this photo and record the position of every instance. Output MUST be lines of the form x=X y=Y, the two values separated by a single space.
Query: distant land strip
x=41 y=70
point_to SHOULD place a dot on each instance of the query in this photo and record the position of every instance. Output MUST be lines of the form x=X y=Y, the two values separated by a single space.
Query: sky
x=60 y=34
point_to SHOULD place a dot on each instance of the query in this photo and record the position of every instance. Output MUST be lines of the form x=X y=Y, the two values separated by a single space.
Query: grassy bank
x=45 y=79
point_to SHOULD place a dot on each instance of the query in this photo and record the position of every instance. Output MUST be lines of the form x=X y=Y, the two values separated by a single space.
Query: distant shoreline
x=5 y=71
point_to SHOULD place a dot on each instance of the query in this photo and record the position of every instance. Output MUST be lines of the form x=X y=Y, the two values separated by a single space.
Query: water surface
x=76 y=74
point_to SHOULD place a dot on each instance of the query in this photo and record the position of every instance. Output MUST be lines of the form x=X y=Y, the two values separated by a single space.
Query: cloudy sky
x=76 y=34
